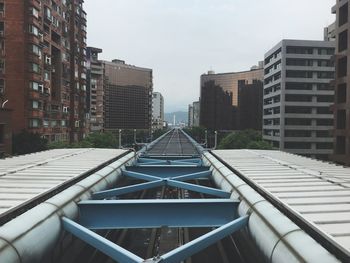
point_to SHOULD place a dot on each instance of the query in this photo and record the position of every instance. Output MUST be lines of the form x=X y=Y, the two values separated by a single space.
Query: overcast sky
x=181 y=39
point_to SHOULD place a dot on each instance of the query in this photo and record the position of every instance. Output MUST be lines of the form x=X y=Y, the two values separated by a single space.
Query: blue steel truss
x=156 y=213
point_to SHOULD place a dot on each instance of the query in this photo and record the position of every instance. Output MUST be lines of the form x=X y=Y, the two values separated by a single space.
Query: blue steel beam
x=166 y=171
x=192 y=176
x=167 y=165
x=184 y=163
x=149 y=160
x=127 y=189
x=181 y=253
x=116 y=214
x=112 y=250
x=192 y=160
x=199 y=188
x=140 y=176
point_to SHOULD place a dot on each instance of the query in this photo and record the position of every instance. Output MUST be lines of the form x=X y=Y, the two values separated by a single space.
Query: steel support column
x=181 y=253
x=104 y=245
x=127 y=189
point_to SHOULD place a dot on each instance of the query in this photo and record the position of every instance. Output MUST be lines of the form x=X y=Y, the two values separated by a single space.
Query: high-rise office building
x=128 y=96
x=250 y=105
x=157 y=111
x=298 y=96
x=219 y=97
x=95 y=89
x=42 y=66
x=341 y=107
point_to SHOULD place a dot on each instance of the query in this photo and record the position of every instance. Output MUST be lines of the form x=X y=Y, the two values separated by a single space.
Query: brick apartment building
x=43 y=66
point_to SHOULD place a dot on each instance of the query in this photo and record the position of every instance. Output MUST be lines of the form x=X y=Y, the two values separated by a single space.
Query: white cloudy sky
x=181 y=39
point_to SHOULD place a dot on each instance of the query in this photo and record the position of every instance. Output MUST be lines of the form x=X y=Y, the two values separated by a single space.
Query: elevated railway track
x=172 y=201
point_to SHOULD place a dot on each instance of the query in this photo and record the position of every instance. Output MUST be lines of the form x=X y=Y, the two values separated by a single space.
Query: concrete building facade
x=42 y=66
x=190 y=115
x=193 y=114
x=341 y=106
x=196 y=113
x=157 y=111
x=95 y=90
x=297 y=116
x=128 y=96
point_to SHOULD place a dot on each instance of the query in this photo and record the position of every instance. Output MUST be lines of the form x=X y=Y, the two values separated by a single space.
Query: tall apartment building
x=157 y=111
x=298 y=96
x=42 y=66
x=219 y=97
x=95 y=89
x=341 y=107
x=128 y=96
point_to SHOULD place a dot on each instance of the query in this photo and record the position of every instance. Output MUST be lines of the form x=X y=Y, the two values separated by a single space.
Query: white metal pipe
x=276 y=236
x=34 y=235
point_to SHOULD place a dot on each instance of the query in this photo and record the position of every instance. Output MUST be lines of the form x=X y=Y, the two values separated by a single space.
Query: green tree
x=248 y=139
x=100 y=140
x=93 y=140
x=26 y=142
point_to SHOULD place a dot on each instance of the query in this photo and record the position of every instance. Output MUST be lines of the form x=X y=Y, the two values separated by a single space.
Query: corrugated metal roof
x=319 y=191
x=27 y=176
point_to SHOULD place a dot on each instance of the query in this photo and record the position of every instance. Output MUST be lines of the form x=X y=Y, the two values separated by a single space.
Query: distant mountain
x=181 y=116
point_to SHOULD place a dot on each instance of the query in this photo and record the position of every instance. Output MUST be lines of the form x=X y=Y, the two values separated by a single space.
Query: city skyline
x=179 y=40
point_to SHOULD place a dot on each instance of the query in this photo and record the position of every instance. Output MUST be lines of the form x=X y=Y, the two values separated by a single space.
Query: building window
x=46 y=123
x=340 y=146
x=299 y=50
x=2 y=86
x=342 y=67
x=34 y=123
x=2 y=8
x=36 y=104
x=343 y=14
x=36 y=86
x=33 y=67
x=343 y=41
x=2 y=29
x=47 y=13
x=298 y=74
x=33 y=30
x=2 y=65
x=36 y=50
x=341 y=94
x=2 y=47
x=2 y=133
x=34 y=12
x=46 y=76
x=326 y=51
x=341 y=119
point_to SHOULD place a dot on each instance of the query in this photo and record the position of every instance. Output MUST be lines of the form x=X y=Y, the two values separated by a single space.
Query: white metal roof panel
x=319 y=191
x=25 y=177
